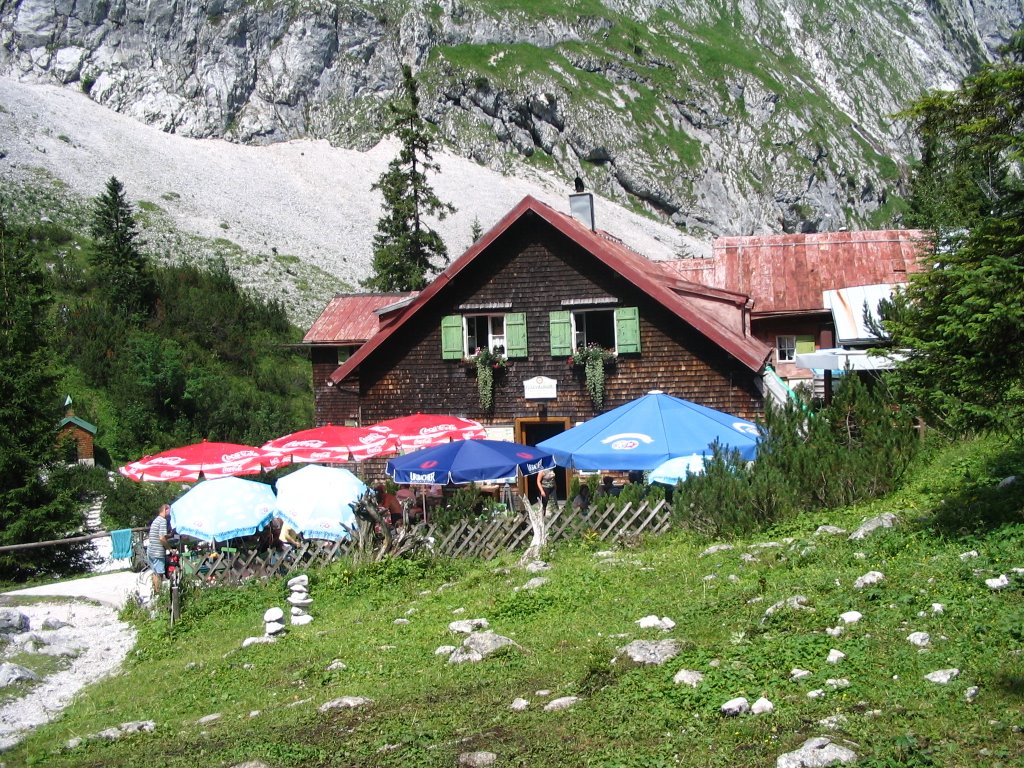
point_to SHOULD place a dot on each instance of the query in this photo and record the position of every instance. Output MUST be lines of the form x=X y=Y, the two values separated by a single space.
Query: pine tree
x=30 y=509
x=121 y=269
x=962 y=319
x=405 y=249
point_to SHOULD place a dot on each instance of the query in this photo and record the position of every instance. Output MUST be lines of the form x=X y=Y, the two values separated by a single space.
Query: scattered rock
x=716 y=548
x=831 y=530
x=477 y=759
x=1006 y=482
x=942 y=676
x=884 y=520
x=209 y=719
x=300 y=621
x=401 y=621
x=565 y=702
x=653 y=622
x=479 y=646
x=796 y=603
x=817 y=693
x=833 y=722
x=834 y=631
x=537 y=581
x=54 y=624
x=869 y=579
x=834 y=656
x=115 y=733
x=690 y=677
x=798 y=674
x=605 y=553
x=837 y=683
x=13 y=673
x=257 y=640
x=346 y=702
x=969 y=555
x=971 y=693
x=12 y=621
x=649 y=651
x=816 y=753
x=444 y=650
x=468 y=626
x=851 y=617
x=762 y=707
x=735 y=707
x=537 y=566
x=337 y=665
x=519 y=705
x=1000 y=582
x=920 y=639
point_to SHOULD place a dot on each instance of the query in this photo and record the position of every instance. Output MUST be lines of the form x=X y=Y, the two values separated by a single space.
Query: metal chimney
x=581 y=206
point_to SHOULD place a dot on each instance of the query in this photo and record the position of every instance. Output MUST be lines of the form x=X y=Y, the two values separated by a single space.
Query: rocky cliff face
x=727 y=118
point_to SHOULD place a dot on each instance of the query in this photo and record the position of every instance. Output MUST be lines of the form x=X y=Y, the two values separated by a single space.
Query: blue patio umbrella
x=317 y=501
x=650 y=430
x=222 y=509
x=468 y=461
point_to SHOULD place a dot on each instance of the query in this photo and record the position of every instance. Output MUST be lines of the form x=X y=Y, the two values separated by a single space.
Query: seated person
x=608 y=487
x=582 y=501
x=389 y=505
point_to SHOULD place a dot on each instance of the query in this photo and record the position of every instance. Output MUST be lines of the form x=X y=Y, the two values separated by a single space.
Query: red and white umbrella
x=211 y=460
x=421 y=430
x=332 y=444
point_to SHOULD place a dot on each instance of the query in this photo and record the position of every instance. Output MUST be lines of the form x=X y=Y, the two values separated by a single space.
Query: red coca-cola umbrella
x=421 y=430
x=331 y=444
x=206 y=459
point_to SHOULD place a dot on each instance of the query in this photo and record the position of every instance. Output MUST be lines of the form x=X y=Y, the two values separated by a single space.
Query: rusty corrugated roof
x=789 y=273
x=351 y=318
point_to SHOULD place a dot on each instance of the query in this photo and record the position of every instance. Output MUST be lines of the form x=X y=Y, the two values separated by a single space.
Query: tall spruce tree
x=405 y=249
x=962 y=319
x=30 y=509
x=120 y=267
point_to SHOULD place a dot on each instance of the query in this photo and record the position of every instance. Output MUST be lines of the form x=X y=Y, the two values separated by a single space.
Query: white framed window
x=595 y=326
x=483 y=332
x=785 y=349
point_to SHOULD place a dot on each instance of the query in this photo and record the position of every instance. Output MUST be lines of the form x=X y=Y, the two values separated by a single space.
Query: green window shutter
x=561 y=334
x=804 y=345
x=627 y=329
x=515 y=334
x=451 y=337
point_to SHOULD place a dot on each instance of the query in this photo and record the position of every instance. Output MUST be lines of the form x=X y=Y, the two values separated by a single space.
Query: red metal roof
x=631 y=265
x=787 y=273
x=351 y=318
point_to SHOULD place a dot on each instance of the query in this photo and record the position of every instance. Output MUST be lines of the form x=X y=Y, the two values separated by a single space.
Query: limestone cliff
x=726 y=117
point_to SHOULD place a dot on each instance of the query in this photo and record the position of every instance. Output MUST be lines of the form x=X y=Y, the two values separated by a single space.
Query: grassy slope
x=426 y=711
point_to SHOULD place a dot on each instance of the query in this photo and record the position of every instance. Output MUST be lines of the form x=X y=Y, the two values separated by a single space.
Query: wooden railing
x=483 y=538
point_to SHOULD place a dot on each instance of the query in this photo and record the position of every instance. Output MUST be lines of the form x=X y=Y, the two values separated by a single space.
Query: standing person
x=546 y=486
x=156 y=548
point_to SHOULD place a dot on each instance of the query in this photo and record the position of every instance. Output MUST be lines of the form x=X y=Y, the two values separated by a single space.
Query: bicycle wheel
x=175 y=601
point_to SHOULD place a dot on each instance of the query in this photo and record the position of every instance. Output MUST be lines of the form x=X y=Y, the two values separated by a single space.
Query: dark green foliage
x=121 y=271
x=852 y=450
x=31 y=509
x=133 y=505
x=963 y=319
x=405 y=249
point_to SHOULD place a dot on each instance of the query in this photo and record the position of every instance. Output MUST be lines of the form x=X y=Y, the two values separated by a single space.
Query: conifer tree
x=121 y=269
x=962 y=319
x=30 y=509
x=405 y=249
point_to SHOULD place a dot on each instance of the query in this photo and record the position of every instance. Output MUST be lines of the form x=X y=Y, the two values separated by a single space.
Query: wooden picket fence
x=484 y=538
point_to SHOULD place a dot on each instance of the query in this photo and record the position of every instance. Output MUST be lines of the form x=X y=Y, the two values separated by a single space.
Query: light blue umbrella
x=650 y=430
x=222 y=509
x=317 y=501
x=679 y=468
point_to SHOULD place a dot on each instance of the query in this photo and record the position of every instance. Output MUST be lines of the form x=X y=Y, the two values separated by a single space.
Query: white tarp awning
x=841 y=359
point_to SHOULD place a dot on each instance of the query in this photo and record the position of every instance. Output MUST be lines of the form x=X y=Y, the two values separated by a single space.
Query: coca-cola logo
x=170 y=474
x=293 y=444
x=239 y=456
x=170 y=461
x=438 y=428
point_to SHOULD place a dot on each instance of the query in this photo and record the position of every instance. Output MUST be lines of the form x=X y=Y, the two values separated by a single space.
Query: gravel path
x=94 y=640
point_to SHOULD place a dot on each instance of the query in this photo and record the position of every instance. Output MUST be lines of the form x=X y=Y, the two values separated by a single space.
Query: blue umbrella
x=648 y=431
x=468 y=461
x=222 y=509
x=317 y=501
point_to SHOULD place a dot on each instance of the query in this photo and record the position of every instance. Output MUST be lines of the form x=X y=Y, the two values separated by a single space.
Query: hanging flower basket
x=593 y=359
x=487 y=363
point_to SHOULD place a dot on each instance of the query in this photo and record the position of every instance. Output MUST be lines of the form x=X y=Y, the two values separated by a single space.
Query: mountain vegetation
x=737 y=618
